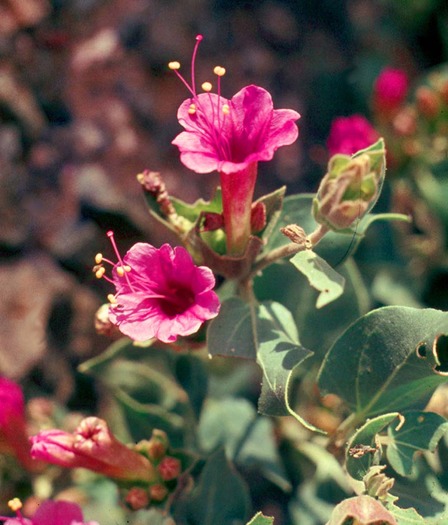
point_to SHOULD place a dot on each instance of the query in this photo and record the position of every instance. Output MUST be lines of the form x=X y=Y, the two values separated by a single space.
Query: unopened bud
x=137 y=498
x=156 y=447
x=158 y=492
x=350 y=188
x=153 y=184
x=257 y=217
x=169 y=468
x=428 y=102
x=212 y=221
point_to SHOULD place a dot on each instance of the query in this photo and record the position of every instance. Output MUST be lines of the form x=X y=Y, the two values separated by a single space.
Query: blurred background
x=87 y=102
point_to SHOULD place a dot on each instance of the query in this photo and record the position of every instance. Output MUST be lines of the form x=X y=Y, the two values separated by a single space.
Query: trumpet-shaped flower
x=92 y=446
x=49 y=513
x=232 y=136
x=160 y=293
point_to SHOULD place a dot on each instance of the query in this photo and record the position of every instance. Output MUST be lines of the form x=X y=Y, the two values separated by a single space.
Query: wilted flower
x=92 y=446
x=49 y=513
x=231 y=136
x=160 y=292
x=350 y=134
x=349 y=189
x=390 y=90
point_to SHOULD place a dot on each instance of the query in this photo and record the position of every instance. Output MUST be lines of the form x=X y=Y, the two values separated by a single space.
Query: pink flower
x=350 y=134
x=13 y=429
x=161 y=293
x=53 y=513
x=94 y=447
x=232 y=136
x=390 y=89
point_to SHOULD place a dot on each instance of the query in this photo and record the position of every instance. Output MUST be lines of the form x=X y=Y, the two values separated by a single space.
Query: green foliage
x=260 y=519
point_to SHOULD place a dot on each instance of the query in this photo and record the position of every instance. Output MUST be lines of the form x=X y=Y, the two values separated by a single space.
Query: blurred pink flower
x=162 y=293
x=231 y=136
x=92 y=446
x=350 y=134
x=390 y=89
x=13 y=427
x=53 y=513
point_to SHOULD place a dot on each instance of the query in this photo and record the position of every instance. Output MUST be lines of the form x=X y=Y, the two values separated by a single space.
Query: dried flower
x=92 y=446
x=390 y=90
x=160 y=292
x=231 y=136
x=350 y=134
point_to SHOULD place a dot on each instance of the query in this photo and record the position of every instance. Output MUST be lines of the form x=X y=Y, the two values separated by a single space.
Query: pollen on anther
x=15 y=504
x=220 y=71
x=174 y=65
x=225 y=109
x=100 y=272
x=206 y=86
x=192 y=109
x=127 y=268
x=111 y=298
x=120 y=271
x=98 y=258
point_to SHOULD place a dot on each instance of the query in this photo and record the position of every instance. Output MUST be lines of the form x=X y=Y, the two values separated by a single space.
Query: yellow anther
x=225 y=109
x=174 y=65
x=111 y=298
x=15 y=504
x=206 y=86
x=127 y=268
x=192 y=109
x=120 y=271
x=140 y=178
x=100 y=272
x=220 y=71
x=99 y=258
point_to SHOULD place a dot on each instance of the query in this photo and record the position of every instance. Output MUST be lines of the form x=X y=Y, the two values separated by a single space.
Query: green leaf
x=234 y=424
x=260 y=519
x=406 y=516
x=266 y=333
x=365 y=436
x=379 y=363
x=320 y=275
x=192 y=211
x=273 y=203
x=420 y=431
x=219 y=498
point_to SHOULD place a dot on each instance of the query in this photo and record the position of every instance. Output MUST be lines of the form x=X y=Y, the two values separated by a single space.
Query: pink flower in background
x=350 y=134
x=231 y=137
x=13 y=427
x=161 y=293
x=92 y=446
x=50 y=513
x=390 y=90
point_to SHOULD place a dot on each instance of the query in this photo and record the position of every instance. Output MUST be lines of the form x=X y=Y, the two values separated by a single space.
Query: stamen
x=100 y=272
x=174 y=65
x=220 y=71
x=206 y=86
x=111 y=298
x=110 y=234
x=225 y=109
x=99 y=258
x=192 y=109
x=15 y=504
x=127 y=268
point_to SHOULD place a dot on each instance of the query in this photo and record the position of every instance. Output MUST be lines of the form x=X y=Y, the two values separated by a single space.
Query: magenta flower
x=13 y=427
x=232 y=136
x=51 y=513
x=92 y=446
x=160 y=293
x=390 y=90
x=350 y=134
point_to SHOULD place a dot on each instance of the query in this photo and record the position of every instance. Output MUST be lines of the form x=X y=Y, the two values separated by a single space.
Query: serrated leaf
x=260 y=519
x=320 y=275
x=358 y=467
x=420 y=431
x=374 y=366
x=220 y=497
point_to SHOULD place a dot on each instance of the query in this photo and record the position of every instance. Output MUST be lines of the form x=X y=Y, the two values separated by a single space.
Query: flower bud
x=257 y=217
x=295 y=234
x=169 y=468
x=156 y=447
x=158 y=492
x=428 y=102
x=137 y=498
x=350 y=188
